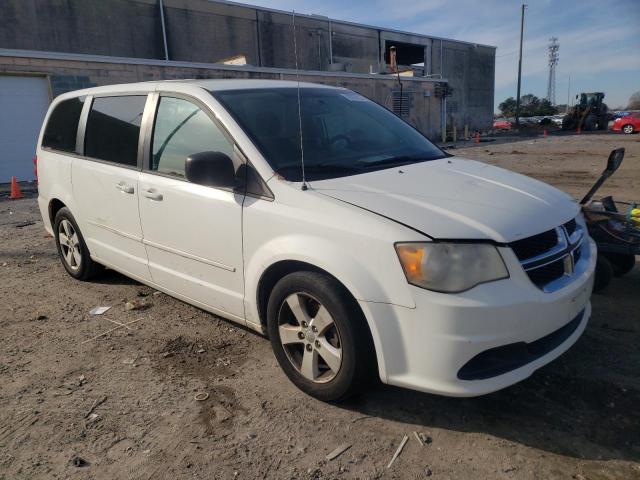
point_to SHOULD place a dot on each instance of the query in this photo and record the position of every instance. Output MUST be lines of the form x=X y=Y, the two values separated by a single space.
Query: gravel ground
x=121 y=405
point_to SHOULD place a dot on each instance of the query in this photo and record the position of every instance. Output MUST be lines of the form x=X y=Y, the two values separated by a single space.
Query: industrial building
x=48 y=47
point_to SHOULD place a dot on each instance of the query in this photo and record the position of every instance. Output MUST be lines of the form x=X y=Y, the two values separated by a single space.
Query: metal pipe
x=520 y=67
x=259 y=43
x=330 y=44
x=164 y=31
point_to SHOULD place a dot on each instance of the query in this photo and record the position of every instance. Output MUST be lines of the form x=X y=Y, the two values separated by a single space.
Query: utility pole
x=568 y=93
x=520 y=67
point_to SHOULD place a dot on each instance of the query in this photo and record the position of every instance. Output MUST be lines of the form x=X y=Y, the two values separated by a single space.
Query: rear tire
x=72 y=249
x=628 y=129
x=319 y=336
x=621 y=263
x=604 y=273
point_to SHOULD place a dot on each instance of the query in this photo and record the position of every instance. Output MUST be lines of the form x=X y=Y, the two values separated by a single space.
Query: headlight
x=450 y=267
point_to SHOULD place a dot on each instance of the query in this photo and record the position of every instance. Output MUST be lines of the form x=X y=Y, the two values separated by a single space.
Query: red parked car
x=627 y=124
x=502 y=124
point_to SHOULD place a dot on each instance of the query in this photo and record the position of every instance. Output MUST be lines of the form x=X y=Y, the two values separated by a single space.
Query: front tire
x=72 y=249
x=604 y=273
x=319 y=336
x=621 y=263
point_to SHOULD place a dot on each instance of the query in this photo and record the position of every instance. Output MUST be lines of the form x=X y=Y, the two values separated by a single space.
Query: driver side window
x=182 y=129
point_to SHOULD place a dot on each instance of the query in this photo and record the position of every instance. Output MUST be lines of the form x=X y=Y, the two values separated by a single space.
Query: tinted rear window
x=113 y=128
x=62 y=126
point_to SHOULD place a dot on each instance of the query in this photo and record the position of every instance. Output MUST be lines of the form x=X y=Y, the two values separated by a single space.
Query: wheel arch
x=280 y=269
x=55 y=205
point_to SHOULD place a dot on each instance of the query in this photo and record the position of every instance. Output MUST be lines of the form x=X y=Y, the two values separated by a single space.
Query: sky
x=599 y=39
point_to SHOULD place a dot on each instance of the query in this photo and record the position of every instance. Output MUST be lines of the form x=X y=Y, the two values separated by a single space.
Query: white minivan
x=319 y=218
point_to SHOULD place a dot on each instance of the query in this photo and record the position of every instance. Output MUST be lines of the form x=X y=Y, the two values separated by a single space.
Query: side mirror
x=211 y=169
x=615 y=159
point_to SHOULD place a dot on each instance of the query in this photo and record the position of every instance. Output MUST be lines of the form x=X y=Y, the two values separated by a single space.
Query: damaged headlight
x=450 y=267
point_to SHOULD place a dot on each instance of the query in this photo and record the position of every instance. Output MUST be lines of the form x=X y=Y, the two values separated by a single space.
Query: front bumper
x=426 y=347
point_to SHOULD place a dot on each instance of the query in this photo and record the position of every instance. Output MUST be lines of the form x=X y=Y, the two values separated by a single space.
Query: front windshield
x=343 y=133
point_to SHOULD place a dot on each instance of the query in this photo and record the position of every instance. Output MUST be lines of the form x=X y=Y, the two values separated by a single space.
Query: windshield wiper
x=322 y=168
x=392 y=162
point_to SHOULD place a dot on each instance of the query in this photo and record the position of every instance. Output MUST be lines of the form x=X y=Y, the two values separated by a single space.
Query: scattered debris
x=25 y=224
x=201 y=350
x=201 y=396
x=419 y=439
x=167 y=354
x=81 y=380
x=157 y=294
x=79 y=462
x=136 y=305
x=4 y=264
x=42 y=317
x=120 y=325
x=425 y=438
x=98 y=310
x=428 y=472
x=404 y=441
x=96 y=403
x=338 y=451
x=93 y=418
x=62 y=392
x=142 y=294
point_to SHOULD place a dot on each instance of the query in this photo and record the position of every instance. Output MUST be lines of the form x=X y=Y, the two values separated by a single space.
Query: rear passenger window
x=182 y=129
x=62 y=127
x=113 y=129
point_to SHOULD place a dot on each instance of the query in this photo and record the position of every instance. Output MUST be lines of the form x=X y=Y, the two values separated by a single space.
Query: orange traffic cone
x=15 y=190
x=477 y=137
x=544 y=132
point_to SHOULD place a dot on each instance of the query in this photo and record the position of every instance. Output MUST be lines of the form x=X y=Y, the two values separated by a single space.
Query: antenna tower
x=554 y=56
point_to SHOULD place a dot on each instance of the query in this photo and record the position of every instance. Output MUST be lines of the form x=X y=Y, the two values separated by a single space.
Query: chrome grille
x=549 y=258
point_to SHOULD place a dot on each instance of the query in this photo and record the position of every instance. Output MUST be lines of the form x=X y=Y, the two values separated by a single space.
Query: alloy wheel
x=628 y=129
x=310 y=337
x=69 y=245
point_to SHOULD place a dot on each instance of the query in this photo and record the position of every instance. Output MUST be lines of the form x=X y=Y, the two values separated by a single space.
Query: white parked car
x=384 y=256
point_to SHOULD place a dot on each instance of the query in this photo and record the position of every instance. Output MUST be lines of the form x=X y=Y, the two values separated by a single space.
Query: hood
x=455 y=198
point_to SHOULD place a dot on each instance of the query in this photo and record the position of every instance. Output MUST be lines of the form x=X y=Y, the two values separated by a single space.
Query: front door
x=192 y=233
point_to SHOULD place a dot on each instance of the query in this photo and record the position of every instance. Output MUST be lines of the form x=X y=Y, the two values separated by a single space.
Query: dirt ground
x=74 y=405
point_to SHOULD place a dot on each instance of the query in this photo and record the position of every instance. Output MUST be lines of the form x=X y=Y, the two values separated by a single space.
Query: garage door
x=23 y=104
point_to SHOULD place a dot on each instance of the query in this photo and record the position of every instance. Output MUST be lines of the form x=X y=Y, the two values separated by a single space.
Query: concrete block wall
x=65 y=75
x=206 y=31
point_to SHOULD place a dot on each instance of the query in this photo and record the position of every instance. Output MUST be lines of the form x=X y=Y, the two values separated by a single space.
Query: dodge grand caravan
x=321 y=219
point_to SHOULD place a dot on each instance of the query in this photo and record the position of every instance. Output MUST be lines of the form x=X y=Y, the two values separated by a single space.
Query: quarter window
x=113 y=129
x=182 y=129
x=62 y=126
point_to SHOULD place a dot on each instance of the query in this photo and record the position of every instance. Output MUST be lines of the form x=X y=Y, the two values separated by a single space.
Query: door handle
x=123 y=187
x=152 y=194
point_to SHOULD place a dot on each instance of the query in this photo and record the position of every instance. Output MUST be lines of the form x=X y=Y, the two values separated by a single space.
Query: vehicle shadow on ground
x=551 y=411
x=111 y=277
